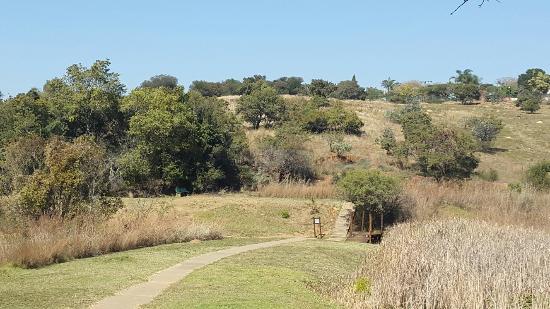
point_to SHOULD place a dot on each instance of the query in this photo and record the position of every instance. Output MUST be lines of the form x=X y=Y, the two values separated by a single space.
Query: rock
x=539 y=121
x=195 y=241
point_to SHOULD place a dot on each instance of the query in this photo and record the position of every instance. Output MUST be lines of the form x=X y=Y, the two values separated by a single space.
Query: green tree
x=252 y=83
x=24 y=114
x=529 y=101
x=262 y=105
x=485 y=130
x=288 y=85
x=207 y=89
x=182 y=140
x=408 y=92
x=321 y=88
x=389 y=84
x=349 y=90
x=466 y=93
x=466 y=77
x=162 y=80
x=73 y=180
x=387 y=140
x=86 y=101
x=534 y=80
x=370 y=190
x=373 y=94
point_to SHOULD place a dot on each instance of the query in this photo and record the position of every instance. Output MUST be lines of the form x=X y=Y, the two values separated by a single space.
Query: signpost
x=317 y=222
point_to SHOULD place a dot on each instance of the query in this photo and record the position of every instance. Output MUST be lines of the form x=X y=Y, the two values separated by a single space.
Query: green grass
x=278 y=277
x=79 y=283
x=251 y=216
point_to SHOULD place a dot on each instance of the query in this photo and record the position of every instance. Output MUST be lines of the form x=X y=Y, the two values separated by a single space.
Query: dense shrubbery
x=333 y=118
x=370 y=190
x=439 y=152
x=284 y=157
x=538 y=175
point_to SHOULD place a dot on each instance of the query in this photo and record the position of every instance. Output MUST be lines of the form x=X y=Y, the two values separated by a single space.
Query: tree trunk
x=363 y=221
x=370 y=227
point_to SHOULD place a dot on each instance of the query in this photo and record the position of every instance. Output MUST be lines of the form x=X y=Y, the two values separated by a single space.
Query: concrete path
x=340 y=231
x=143 y=293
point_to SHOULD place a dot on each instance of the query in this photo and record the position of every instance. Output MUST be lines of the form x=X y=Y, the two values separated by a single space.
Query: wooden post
x=381 y=223
x=350 y=227
x=370 y=227
x=363 y=221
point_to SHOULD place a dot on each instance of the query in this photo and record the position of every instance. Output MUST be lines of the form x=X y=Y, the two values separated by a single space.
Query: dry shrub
x=52 y=240
x=493 y=202
x=298 y=189
x=454 y=263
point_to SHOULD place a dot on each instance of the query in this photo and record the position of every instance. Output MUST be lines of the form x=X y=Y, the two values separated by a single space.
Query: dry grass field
x=248 y=215
x=524 y=140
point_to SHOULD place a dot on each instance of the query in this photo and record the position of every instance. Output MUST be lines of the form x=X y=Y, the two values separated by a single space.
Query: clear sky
x=215 y=40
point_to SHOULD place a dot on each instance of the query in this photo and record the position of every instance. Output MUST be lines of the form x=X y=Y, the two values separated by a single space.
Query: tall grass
x=488 y=201
x=454 y=263
x=51 y=240
x=298 y=189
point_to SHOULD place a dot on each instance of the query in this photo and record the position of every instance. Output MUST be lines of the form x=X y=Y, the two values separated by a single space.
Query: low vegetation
x=267 y=278
x=47 y=240
x=492 y=266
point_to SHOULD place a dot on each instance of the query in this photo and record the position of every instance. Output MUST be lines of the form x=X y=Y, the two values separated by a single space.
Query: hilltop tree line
x=83 y=136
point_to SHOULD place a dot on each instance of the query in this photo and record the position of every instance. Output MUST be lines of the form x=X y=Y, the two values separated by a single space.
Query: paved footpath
x=143 y=293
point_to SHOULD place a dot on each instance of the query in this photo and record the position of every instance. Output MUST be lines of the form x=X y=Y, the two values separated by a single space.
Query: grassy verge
x=250 y=216
x=79 y=283
x=278 y=277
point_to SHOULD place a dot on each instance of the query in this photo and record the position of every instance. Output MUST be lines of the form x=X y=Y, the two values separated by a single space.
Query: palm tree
x=465 y=77
x=389 y=84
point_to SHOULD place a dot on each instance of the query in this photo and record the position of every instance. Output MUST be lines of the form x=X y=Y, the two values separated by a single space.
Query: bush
x=466 y=93
x=538 y=175
x=406 y=93
x=529 y=101
x=370 y=189
x=387 y=140
x=491 y=175
x=485 y=129
x=284 y=157
x=285 y=214
x=74 y=177
x=342 y=120
x=338 y=146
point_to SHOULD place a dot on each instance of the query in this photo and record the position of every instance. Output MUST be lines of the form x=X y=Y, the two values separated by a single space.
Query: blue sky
x=215 y=40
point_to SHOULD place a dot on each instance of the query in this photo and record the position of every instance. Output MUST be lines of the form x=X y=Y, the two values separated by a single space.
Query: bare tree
x=466 y=1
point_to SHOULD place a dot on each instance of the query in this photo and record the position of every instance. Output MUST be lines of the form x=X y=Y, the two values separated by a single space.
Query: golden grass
x=524 y=140
x=52 y=240
x=488 y=201
x=316 y=190
x=248 y=215
x=455 y=263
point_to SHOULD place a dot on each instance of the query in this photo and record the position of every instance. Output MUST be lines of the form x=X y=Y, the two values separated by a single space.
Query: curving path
x=143 y=293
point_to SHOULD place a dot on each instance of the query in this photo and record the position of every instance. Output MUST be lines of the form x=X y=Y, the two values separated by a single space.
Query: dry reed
x=493 y=202
x=52 y=240
x=454 y=263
